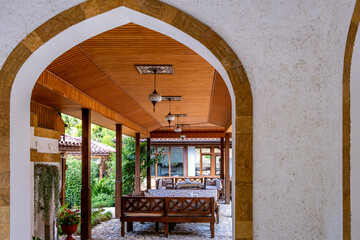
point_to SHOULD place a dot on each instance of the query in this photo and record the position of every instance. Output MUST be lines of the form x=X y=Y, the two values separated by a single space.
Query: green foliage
x=73 y=180
x=98 y=133
x=35 y=238
x=103 y=191
x=72 y=125
x=103 y=200
x=128 y=167
x=46 y=187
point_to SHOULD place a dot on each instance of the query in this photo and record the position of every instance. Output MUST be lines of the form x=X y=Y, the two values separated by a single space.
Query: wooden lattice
x=191 y=179
x=190 y=205
x=143 y=204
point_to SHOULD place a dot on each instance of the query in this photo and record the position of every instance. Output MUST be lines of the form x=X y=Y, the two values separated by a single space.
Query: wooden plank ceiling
x=102 y=67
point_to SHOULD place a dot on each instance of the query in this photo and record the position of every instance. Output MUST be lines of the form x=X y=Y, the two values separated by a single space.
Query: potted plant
x=69 y=221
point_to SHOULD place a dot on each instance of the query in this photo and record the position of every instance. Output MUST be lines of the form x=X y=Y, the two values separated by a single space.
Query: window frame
x=169 y=153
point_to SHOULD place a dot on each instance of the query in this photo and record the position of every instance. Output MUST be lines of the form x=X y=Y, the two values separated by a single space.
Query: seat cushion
x=153 y=214
x=210 y=182
x=189 y=215
x=211 y=187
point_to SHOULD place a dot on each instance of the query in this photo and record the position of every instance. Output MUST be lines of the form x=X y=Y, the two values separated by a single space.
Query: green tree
x=73 y=180
x=107 y=184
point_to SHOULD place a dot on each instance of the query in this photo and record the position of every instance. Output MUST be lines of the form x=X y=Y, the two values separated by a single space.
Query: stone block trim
x=176 y=18
x=354 y=24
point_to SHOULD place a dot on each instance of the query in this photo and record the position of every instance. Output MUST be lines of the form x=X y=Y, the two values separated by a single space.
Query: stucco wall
x=355 y=140
x=293 y=54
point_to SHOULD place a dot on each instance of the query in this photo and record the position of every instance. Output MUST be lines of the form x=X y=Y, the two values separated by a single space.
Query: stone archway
x=44 y=35
x=353 y=29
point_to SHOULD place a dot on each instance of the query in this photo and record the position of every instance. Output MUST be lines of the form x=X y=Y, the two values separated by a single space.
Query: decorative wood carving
x=160 y=69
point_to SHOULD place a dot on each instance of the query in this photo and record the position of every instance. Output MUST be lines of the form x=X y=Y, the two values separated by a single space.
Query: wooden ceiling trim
x=228 y=126
x=78 y=70
x=60 y=86
x=220 y=108
x=115 y=82
x=119 y=49
x=188 y=135
x=211 y=95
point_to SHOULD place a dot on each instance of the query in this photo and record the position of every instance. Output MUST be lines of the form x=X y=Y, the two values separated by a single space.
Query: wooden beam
x=148 y=170
x=49 y=80
x=227 y=168
x=35 y=156
x=118 y=181
x=228 y=125
x=137 y=162
x=188 y=135
x=85 y=177
x=222 y=160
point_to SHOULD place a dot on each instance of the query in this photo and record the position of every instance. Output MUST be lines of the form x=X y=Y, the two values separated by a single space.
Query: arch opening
x=38 y=58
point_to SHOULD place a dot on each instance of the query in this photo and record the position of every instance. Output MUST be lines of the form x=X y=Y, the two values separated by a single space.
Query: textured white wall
x=355 y=140
x=293 y=54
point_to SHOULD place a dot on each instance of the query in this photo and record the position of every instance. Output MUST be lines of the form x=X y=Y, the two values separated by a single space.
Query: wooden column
x=137 y=162
x=63 y=178
x=227 y=168
x=85 y=179
x=148 y=170
x=222 y=160
x=118 y=180
x=101 y=168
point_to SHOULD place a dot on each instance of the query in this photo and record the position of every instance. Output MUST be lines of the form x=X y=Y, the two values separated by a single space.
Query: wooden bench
x=168 y=210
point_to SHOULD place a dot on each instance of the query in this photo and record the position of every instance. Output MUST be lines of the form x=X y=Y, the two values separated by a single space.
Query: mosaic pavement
x=146 y=231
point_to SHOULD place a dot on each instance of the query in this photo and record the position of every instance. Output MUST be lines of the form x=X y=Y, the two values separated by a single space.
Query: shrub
x=73 y=181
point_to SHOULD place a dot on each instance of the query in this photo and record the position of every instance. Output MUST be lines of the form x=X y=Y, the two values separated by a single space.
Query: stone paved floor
x=146 y=231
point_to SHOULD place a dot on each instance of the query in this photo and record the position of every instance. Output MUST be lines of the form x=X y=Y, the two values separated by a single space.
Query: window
x=177 y=161
x=203 y=161
x=172 y=163
x=197 y=162
x=217 y=164
x=206 y=164
x=163 y=166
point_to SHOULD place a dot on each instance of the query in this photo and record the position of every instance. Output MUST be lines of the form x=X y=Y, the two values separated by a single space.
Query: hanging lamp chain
x=155 y=79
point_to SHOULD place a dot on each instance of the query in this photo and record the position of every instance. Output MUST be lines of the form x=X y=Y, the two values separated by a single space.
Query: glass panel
x=206 y=165
x=217 y=164
x=152 y=167
x=197 y=161
x=163 y=166
x=205 y=150
x=191 y=161
x=177 y=161
x=217 y=150
x=153 y=149
x=163 y=149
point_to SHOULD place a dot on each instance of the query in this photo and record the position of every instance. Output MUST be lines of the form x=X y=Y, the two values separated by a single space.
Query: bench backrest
x=168 y=205
x=142 y=205
x=190 y=206
x=192 y=179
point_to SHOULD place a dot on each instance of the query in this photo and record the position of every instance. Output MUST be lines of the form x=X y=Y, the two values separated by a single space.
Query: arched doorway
x=350 y=214
x=81 y=22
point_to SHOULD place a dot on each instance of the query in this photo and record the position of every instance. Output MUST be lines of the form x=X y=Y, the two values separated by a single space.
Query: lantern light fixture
x=154 y=97
x=170 y=117
x=177 y=128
